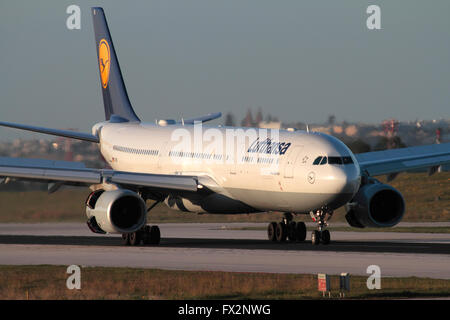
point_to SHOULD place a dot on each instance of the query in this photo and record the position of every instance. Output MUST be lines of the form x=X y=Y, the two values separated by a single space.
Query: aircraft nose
x=347 y=180
x=346 y=184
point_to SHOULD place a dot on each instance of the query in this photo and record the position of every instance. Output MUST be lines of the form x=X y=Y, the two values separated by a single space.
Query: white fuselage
x=269 y=175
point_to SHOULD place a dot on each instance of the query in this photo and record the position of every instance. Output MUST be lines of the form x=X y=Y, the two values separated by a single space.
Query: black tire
x=126 y=239
x=155 y=235
x=135 y=238
x=281 y=232
x=315 y=237
x=271 y=231
x=146 y=235
x=292 y=231
x=325 y=237
x=301 y=231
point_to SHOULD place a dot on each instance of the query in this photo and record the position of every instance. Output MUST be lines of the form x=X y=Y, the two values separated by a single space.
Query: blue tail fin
x=115 y=97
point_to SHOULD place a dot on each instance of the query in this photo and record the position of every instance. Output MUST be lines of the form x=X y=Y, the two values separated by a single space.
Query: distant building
x=269 y=124
x=323 y=129
x=351 y=130
x=338 y=129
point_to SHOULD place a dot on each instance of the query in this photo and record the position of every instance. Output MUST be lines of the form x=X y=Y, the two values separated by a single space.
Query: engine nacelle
x=115 y=211
x=375 y=205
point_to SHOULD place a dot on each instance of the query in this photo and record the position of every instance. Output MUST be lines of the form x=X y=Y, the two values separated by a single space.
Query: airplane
x=245 y=171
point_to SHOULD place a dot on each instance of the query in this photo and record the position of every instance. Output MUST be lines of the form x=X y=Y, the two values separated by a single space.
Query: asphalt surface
x=220 y=247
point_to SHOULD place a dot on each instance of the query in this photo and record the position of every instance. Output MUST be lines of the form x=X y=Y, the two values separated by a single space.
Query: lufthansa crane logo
x=311 y=177
x=104 y=61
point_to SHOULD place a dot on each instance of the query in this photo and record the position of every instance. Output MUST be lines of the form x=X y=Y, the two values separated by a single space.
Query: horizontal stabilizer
x=207 y=117
x=56 y=132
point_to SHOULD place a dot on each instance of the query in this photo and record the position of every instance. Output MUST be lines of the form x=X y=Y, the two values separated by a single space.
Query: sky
x=297 y=60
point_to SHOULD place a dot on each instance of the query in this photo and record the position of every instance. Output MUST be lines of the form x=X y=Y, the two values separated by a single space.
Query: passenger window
x=324 y=161
x=317 y=161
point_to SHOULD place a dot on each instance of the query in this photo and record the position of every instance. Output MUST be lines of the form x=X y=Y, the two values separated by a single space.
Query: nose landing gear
x=321 y=235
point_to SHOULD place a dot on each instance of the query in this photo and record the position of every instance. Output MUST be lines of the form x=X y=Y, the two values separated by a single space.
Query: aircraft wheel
x=155 y=235
x=271 y=231
x=301 y=231
x=315 y=237
x=146 y=235
x=292 y=231
x=151 y=235
x=325 y=237
x=135 y=238
x=281 y=232
x=126 y=239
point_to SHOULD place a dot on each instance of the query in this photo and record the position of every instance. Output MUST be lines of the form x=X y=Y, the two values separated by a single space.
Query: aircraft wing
x=75 y=173
x=397 y=160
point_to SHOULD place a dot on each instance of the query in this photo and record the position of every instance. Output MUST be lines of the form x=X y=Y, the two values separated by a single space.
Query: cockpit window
x=334 y=160
x=347 y=160
x=317 y=161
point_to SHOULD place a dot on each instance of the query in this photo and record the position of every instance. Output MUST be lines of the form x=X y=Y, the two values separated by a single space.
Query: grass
x=427 y=199
x=49 y=282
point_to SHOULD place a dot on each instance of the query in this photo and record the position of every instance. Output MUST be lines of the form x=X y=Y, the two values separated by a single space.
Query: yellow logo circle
x=104 y=61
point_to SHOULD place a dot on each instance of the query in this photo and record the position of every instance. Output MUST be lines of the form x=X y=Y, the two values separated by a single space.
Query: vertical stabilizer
x=115 y=97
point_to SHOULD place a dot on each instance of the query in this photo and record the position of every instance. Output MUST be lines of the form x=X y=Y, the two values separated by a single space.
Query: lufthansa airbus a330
x=219 y=170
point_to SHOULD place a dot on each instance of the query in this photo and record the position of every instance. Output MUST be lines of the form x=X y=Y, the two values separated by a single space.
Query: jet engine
x=375 y=205
x=115 y=211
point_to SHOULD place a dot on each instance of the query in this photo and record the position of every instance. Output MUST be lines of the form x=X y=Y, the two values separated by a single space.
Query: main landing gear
x=321 y=235
x=148 y=235
x=287 y=229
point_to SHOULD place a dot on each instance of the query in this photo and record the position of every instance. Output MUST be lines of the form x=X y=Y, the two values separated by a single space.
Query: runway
x=220 y=247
